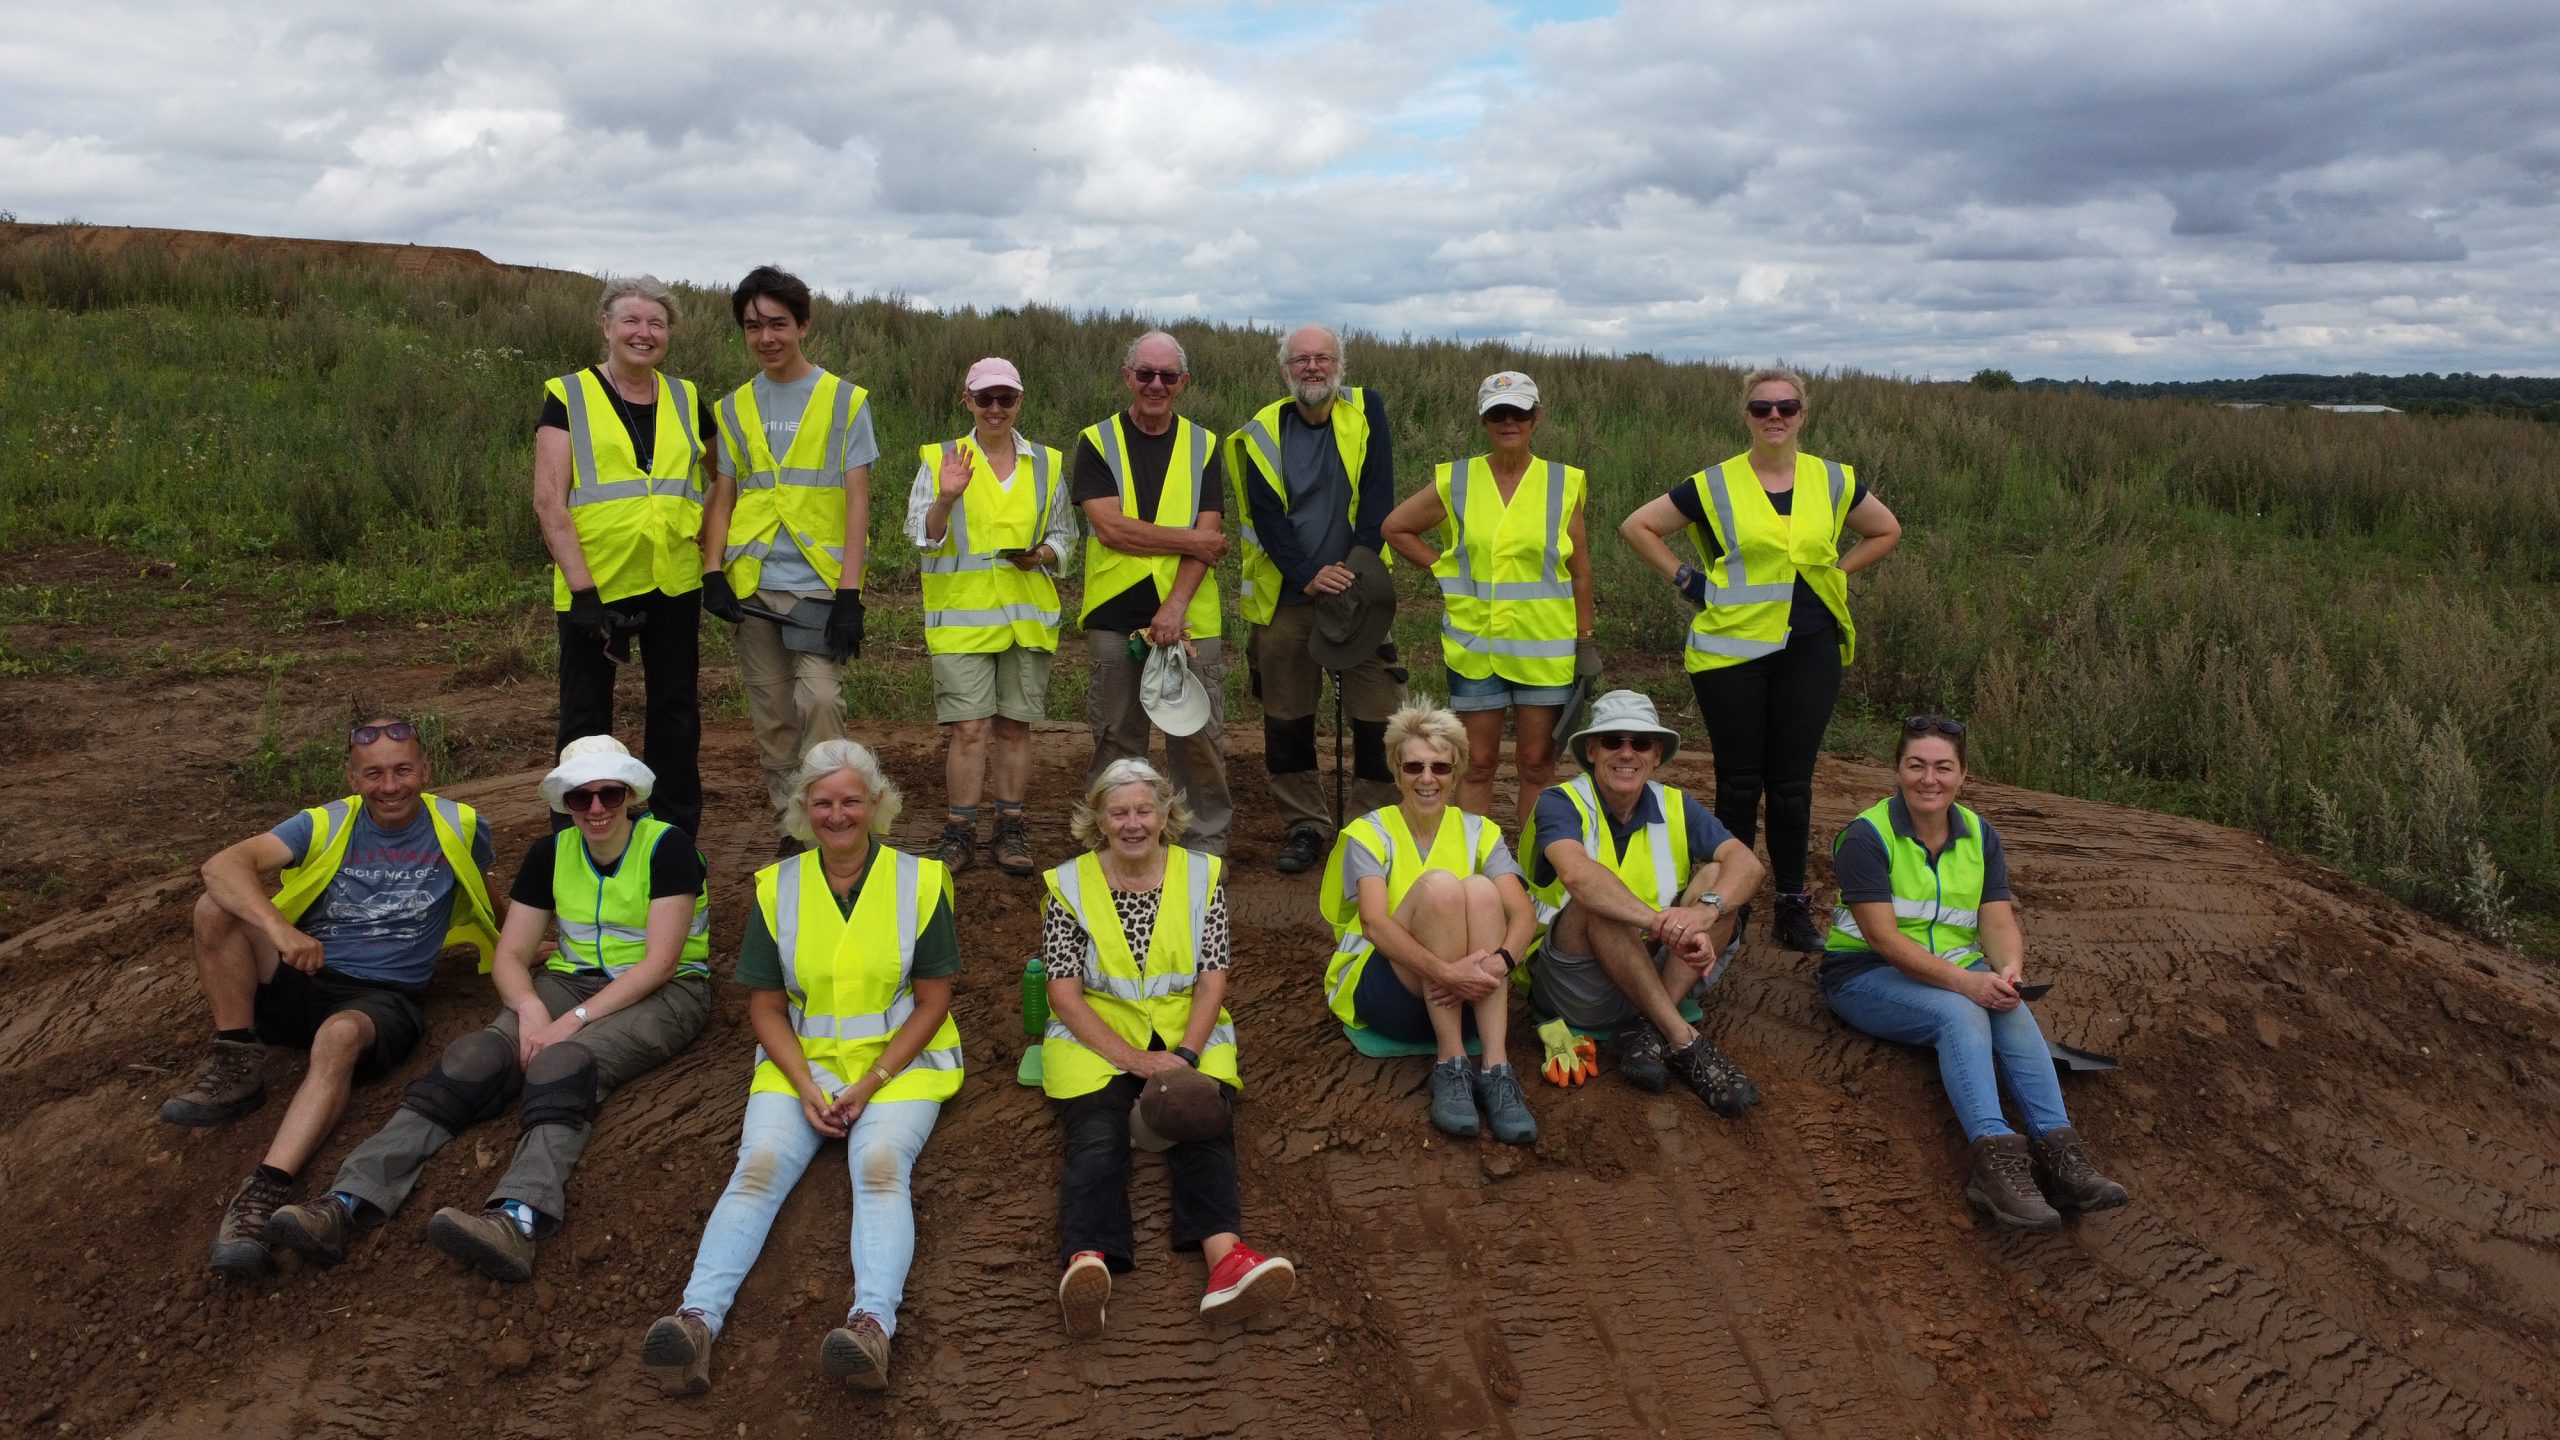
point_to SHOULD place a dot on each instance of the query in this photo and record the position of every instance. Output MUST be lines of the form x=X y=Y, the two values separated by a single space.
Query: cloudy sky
x=2156 y=190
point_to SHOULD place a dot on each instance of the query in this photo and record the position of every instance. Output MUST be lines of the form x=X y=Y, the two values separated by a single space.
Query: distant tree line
x=2522 y=397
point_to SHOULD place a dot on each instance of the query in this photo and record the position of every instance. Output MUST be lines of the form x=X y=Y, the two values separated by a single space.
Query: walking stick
x=1337 y=750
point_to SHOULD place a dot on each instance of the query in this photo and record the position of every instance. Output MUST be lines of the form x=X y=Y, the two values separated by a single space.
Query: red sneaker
x=1246 y=1283
x=1084 y=1293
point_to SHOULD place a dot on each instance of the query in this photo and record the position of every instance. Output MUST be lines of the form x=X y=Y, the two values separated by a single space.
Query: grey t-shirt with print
x=780 y=404
x=382 y=918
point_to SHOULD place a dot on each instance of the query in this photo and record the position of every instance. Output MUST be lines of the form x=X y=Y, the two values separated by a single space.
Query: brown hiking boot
x=857 y=1352
x=232 y=1083
x=958 y=848
x=1013 y=845
x=489 y=1241
x=316 y=1231
x=2003 y=1182
x=2063 y=1159
x=240 y=1243
x=678 y=1351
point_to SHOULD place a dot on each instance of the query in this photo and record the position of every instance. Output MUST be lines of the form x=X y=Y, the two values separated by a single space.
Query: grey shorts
x=1013 y=683
x=1574 y=988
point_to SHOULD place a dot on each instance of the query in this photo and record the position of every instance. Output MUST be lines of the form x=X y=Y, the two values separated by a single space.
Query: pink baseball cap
x=991 y=371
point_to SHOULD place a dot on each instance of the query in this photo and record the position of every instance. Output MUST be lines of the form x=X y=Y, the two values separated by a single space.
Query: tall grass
x=2337 y=631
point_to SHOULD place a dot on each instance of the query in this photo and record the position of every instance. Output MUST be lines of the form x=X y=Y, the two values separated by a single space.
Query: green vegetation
x=2341 y=635
x=2517 y=397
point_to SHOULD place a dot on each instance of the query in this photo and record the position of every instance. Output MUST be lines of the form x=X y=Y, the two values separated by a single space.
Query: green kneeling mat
x=1028 y=1072
x=1382 y=1047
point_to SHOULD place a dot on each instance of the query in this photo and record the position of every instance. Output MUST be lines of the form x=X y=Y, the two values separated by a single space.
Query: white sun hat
x=1171 y=690
x=591 y=758
x=1622 y=712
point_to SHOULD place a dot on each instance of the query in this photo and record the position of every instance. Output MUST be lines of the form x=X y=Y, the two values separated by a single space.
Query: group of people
x=1619 y=908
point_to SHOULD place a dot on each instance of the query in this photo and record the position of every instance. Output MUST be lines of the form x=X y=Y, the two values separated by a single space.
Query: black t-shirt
x=674 y=869
x=1134 y=608
x=639 y=421
x=1806 y=615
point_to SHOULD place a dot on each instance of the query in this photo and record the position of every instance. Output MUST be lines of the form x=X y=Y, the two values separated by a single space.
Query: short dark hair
x=417 y=741
x=1918 y=727
x=783 y=287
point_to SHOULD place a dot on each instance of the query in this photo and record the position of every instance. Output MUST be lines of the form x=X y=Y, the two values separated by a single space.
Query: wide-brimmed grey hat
x=1621 y=712
x=1351 y=626
x=1175 y=698
x=591 y=758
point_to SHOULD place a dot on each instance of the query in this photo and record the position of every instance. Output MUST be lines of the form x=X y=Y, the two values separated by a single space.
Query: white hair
x=826 y=758
x=1129 y=357
x=1341 y=361
x=637 y=287
x=1085 y=822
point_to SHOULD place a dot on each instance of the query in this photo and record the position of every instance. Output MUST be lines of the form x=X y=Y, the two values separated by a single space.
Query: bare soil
x=2337 y=1119
x=114 y=240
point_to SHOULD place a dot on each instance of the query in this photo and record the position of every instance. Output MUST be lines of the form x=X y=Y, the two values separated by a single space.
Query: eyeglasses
x=1505 y=414
x=1146 y=376
x=1618 y=740
x=1923 y=724
x=393 y=730
x=1763 y=409
x=1429 y=767
x=1314 y=362
x=608 y=796
x=996 y=399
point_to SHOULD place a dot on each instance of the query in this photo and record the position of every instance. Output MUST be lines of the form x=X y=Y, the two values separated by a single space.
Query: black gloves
x=720 y=600
x=1691 y=582
x=844 y=626
x=588 y=616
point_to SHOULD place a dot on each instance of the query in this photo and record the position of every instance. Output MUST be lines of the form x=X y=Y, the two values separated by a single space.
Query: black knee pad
x=468 y=1083
x=1369 y=751
x=560 y=1088
x=1289 y=746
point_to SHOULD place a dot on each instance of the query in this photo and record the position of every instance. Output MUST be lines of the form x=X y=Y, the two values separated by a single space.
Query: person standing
x=1773 y=630
x=1316 y=475
x=1148 y=483
x=789 y=520
x=990 y=520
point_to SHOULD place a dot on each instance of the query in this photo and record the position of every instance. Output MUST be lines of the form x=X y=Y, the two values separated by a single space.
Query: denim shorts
x=1495 y=693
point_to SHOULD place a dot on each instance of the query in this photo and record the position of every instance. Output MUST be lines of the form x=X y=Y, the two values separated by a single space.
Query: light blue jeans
x=774 y=1150
x=1890 y=1005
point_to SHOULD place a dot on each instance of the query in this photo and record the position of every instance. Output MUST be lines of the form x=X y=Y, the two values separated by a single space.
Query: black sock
x=245 y=1037
x=280 y=1177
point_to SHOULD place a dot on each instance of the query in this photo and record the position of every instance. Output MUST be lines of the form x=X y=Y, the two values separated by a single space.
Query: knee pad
x=1289 y=746
x=468 y=1083
x=560 y=1089
x=1369 y=751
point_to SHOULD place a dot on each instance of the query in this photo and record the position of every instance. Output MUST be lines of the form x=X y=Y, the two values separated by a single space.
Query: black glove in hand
x=1692 y=582
x=1586 y=659
x=720 y=600
x=588 y=616
x=844 y=626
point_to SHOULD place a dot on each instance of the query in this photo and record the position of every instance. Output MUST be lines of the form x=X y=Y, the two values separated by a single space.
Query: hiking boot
x=488 y=1241
x=857 y=1352
x=1637 y=1048
x=2071 y=1176
x=1012 y=848
x=1453 y=1097
x=1792 y=926
x=240 y=1242
x=677 y=1350
x=317 y=1231
x=1084 y=1294
x=958 y=847
x=1301 y=851
x=1715 y=1078
x=2003 y=1182
x=1246 y=1283
x=1506 y=1110
x=232 y=1083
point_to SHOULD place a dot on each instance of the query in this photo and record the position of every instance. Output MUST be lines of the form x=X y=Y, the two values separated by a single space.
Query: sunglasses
x=1923 y=724
x=1146 y=376
x=395 y=730
x=996 y=399
x=1616 y=740
x=1429 y=767
x=608 y=796
x=1505 y=414
x=1763 y=409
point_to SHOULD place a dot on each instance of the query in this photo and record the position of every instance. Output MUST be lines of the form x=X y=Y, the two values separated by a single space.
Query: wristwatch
x=581 y=1013
x=1712 y=898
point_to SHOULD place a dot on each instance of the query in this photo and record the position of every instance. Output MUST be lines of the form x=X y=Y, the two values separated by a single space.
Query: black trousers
x=1093 y=1188
x=669 y=651
x=1765 y=718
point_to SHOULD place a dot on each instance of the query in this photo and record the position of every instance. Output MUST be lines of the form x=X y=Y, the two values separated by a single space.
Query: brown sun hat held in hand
x=1178 y=1105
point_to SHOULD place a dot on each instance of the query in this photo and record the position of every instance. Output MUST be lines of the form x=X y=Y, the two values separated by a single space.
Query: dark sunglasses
x=1617 y=740
x=1923 y=724
x=1429 y=767
x=996 y=399
x=1504 y=414
x=609 y=796
x=1763 y=409
x=1145 y=376
x=395 y=730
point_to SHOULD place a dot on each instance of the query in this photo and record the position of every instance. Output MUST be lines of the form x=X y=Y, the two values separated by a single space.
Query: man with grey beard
x=1317 y=476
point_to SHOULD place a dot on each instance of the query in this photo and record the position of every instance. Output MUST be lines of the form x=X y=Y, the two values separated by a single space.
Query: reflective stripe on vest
x=1751 y=583
x=1529 y=639
x=1142 y=999
x=473 y=921
x=1459 y=849
x=636 y=528
x=1656 y=865
x=593 y=912
x=1179 y=506
x=974 y=602
x=1936 y=907
x=779 y=502
x=863 y=1001
x=1255 y=450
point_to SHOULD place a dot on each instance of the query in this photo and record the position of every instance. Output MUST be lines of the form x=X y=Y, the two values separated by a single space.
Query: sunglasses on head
x=1429 y=767
x=392 y=730
x=1145 y=375
x=1763 y=409
x=608 y=796
x=996 y=399
x=1504 y=414
x=1923 y=724
x=1619 y=740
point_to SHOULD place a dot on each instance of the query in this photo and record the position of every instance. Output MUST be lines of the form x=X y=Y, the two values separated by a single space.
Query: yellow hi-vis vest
x=603 y=919
x=638 y=529
x=847 y=976
x=1752 y=585
x=975 y=603
x=803 y=491
x=1502 y=572
x=474 y=923
x=1107 y=572
x=1655 y=866
x=1257 y=446
x=1462 y=847
x=1936 y=907
x=1137 y=999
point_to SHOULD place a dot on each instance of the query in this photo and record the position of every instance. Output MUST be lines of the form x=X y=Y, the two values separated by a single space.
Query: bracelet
x=1188 y=1055
x=883 y=1076
x=1509 y=960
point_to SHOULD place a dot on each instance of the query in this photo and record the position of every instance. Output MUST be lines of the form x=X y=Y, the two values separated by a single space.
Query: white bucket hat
x=1171 y=690
x=591 y=758
x=1622 y=712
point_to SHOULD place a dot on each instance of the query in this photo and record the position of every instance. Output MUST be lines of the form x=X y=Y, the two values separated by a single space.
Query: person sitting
x=626 y=990
x=850 y=952
x=1434 y=892
x=1635 y=917
x=370 y=889
x=1925 y=950
x=1134 y=936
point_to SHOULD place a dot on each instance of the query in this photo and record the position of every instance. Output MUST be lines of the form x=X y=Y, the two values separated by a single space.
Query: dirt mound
x=2336 y=1119
x=120 y=240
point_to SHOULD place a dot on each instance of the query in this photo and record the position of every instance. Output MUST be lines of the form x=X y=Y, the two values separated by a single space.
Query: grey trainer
x=1453 y=1097
x=1506 y=1110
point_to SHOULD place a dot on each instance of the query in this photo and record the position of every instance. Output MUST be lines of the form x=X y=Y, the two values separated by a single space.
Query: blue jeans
x=1890 y=1005
x=774 y=1149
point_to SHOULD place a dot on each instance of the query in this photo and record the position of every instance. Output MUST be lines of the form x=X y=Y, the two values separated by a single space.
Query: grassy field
x=2338 y=631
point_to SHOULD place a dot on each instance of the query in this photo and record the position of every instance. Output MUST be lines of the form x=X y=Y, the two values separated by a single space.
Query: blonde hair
x=637 y=287
x=1084 y=823
x=1767 y=373
x=826 y=758
x=1429 y=723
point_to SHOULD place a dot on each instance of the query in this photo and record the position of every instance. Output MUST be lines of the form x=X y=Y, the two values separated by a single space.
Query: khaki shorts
x=1012 y=683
